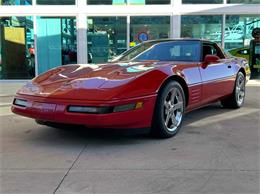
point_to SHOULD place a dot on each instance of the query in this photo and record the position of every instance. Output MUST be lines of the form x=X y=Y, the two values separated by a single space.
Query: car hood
x=88 y=82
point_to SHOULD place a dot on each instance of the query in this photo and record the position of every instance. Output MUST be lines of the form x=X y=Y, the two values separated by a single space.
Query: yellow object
x=139 y=105
x=256 y=66
x=240 y=52
x=132 y=44
x=15 y=35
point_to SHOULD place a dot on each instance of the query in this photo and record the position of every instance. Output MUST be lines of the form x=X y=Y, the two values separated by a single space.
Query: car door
x=217 y=78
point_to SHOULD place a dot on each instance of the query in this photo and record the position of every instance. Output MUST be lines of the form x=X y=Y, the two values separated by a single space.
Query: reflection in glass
x=106 y=37
x=203 y=27
x=106 y=2
x=149 y=2
x=16 y=48
x=145 y=28
x=56 y=42
x=55 y=2
x=188 y=51
x=244 y=1
x=15 y=2
x=238 y=31
x=202 y=1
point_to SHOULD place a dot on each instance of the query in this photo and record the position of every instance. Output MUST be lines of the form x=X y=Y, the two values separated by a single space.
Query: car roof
x=177 y=39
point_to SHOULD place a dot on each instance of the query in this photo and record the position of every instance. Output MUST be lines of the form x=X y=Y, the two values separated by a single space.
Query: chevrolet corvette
x=150 y=86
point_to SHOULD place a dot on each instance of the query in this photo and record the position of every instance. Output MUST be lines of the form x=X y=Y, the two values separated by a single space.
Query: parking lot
x=217 y=151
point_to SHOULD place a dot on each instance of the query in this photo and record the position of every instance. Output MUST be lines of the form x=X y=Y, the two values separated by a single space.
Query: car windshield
x=188 y=51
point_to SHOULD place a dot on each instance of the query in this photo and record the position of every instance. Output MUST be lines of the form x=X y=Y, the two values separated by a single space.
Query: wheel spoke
x=242 y=83
x=242 y=94
x=168 y=116
x=178 y=106
x=166 y=105
x=174 y=120
x=173 y=95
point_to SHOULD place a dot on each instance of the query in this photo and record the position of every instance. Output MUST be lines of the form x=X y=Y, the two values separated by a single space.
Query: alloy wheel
x=240 y=90
x=173 y=109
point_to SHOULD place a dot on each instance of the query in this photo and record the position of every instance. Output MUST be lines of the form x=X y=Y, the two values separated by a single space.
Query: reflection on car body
x=152 y=85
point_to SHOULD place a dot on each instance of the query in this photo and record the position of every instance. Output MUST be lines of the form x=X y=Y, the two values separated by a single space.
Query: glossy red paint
x=209 y=59
x=113 y=84
x=55 y=110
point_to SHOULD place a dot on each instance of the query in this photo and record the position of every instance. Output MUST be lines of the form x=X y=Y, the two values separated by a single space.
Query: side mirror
x=209 y=59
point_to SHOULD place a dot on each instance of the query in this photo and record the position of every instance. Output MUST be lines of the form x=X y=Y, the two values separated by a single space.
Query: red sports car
x=152 y=85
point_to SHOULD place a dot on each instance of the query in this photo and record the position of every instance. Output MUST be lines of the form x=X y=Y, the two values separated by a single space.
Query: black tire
x=161 y=111
x=237 y=98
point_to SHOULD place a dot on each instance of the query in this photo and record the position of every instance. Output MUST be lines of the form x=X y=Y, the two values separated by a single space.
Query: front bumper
x=55 y=110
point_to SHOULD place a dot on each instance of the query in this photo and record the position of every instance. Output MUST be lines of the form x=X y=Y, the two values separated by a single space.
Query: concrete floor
x=217 y=151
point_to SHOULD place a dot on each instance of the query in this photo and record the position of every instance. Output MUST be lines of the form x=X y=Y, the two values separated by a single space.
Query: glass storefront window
x=17 y=48
x=15 y=2
x=244 y=1
x=56 y=42
x=203 y=27
x=107 y=38
x=149 y=2
x=202 y=1
x=106 y=2
x=238 y=31
x=55 y=2
x=143 y=28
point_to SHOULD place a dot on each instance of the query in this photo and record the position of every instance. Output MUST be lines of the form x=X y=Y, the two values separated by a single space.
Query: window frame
x=220 y=53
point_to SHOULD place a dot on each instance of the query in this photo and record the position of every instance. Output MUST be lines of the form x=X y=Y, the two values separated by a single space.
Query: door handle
x=229 y=66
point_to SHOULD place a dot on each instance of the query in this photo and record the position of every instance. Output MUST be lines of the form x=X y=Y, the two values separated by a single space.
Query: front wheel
x=236 y=100
x=169 y=110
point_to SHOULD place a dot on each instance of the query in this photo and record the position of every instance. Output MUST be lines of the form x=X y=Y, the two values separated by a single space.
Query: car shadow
x=196 y=123
x=204 y=112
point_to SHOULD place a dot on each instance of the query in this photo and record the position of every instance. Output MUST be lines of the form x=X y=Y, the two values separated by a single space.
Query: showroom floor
x=217 y=151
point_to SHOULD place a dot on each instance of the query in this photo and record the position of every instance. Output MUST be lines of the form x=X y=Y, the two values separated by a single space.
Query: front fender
x=147 y=84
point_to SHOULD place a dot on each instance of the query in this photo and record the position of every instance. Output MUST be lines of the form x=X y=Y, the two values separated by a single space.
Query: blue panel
x=137 y=2
x=118 y=2
x=48 y=43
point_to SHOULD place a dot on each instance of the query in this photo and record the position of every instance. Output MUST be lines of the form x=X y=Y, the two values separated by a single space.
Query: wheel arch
x=183 y=84
x=243 y=71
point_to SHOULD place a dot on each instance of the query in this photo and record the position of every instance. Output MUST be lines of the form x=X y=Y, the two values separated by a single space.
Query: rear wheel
x=236 y=100
x=169 y=110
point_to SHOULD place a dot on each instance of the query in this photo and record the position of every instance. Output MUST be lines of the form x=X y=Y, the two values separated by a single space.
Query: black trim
x=101 y=110
x=98 y=131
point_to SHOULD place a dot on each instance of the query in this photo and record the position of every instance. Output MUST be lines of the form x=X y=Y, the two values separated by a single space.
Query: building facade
x=37 y=35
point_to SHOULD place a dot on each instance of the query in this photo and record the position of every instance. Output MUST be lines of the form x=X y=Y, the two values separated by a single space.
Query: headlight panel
x=89 y=109
x=123 y=108
x=20 y=102
x=104 y=110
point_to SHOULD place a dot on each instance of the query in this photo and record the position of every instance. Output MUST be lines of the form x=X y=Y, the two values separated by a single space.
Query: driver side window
x=211 y=49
